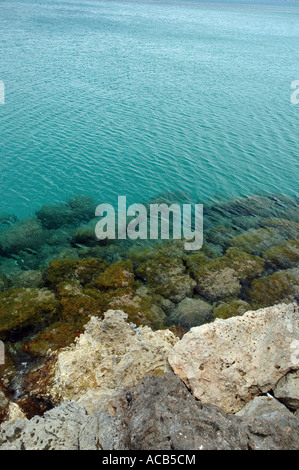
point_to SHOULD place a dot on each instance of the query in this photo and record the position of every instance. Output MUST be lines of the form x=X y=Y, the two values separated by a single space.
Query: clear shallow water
x=138 y=98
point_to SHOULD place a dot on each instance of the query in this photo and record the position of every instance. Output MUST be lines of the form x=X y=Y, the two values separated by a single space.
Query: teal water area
x=141 y=98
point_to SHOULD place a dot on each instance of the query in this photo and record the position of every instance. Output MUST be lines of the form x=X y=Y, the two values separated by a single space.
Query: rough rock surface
x=191 y=312
x=287 y=390
x=161 y=414
x=110 y=354
x=229 y=362
x=264 y=406
x=67 y=427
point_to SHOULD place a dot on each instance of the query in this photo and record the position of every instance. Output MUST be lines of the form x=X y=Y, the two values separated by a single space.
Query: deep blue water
x=137 y=98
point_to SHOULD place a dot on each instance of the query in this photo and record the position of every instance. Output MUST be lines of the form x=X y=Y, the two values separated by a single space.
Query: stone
x=258 y=241
x=222 y=277
x=287 y=390
x=67 y=427
x=264 y=406
x=15 y=413
x=110 y=354
x=229 y=362
x=26 y=308
x=167 y=277
x=282 y=286
x=191 y=312
x=232 y=308
x=283 y=256
x=161 y=414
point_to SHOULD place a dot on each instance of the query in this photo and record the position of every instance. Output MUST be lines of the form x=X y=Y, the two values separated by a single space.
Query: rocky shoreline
x=86 y=323
x=231 y=384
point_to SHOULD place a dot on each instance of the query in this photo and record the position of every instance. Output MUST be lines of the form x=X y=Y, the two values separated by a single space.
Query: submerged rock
x=258 y=241
x=230 y=309
x=282 y=286
x=167 y=277
x=222 y=277
x=229 y=362
x=23 y=235
x=163 y=415
x=191 y=312
x=283 y=256
x=26 y=308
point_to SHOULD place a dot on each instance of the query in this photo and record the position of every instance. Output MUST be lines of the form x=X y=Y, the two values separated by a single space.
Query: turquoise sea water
x=137 y=98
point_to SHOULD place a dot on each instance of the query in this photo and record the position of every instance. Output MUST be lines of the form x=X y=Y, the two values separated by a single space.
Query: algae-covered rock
x=286 y=228
x=116 y=276
x=28 y=279
x=258 y=241
x=222 y=277
x=23 y=235
x=191 y=312
x=283 y=256
x=233 y=308
x=82 y=270
x=85 y=234
x=56 y=336
x=167 y=277
x=26 y=308
x=4 y=283
x=278 y=287
x=76 y=210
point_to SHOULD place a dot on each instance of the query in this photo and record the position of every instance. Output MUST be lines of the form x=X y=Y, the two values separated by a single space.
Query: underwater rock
x=26 y=308
x=287 y=228
x=110 y=354
x=264 y=406
x=229 y=362
x=191 y=312
x=222 y=277
x=85 y=234
x=27 y=234
x=258 y=241
x=163 y=415
x=77 y=210
x=28 y=279
x=283 y=256
x=83 y=270
x=116 y=276
x=287 y=390
x=167 y=277
x=4 y=283
x=233 y=308
x=67 y=427
x=278 y=287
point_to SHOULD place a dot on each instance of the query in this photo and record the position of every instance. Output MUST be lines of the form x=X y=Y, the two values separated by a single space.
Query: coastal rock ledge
x=229 y=362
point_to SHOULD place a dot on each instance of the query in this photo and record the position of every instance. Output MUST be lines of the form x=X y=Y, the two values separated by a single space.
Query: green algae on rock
x=258 y=241
x=283 y=256
x=222 y=277
x=26 y=308
x=275 y=288
x=84 y=270
x=233 y=308
x=167 y=277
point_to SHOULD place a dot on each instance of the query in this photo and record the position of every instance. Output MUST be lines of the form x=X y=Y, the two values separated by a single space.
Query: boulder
x=287 y=390
x=67 y=427
x=191 y=312
x=109 y=355
x=229 y=362
x=264 y=406
x=161 y=414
